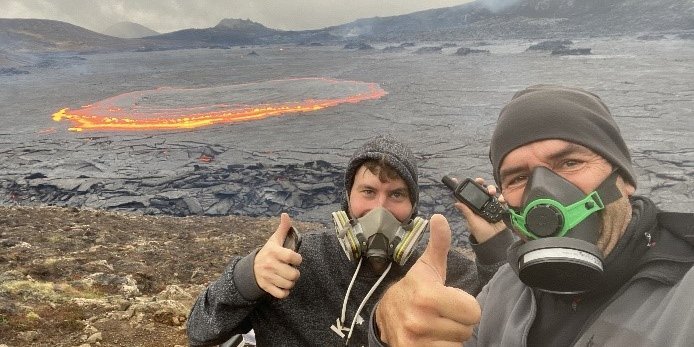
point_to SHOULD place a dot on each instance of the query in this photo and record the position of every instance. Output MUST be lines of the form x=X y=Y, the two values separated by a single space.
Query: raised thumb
x=282 y=230
x=436 y=253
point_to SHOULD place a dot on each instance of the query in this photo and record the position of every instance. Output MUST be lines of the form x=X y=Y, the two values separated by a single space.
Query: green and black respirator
x=562 y=226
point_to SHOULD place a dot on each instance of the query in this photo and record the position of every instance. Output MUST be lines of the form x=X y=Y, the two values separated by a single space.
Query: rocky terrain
x=79 y=277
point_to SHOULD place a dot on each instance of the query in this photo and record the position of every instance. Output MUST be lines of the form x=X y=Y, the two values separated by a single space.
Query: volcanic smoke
x=175 y=108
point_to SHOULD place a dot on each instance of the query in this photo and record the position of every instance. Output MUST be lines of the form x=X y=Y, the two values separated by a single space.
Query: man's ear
x=628 y=188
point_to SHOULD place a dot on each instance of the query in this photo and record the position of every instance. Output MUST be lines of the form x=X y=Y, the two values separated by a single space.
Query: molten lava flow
x=174 y=108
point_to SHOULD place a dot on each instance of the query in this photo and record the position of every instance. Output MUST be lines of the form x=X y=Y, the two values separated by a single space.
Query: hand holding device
x=275 y=264
x=293 y=240
x=474 y=196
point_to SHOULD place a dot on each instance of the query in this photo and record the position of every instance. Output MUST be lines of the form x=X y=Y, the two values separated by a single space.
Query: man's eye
x=570 y=163
x=399 y=195
x=516 y=180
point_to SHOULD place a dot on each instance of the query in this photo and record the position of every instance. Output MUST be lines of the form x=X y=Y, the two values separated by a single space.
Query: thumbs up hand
x=275 y=266
x=419 y=310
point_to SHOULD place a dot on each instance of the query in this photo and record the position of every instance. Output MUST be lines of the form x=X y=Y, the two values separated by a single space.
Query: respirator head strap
x=608 y=190
x=407 y=240
x=344 y=231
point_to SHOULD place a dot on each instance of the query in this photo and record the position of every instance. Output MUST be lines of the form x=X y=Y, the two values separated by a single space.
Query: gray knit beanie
x=543 y=112
x=395 y=154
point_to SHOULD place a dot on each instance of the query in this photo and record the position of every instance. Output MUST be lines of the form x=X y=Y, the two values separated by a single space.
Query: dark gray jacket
x=651 y=304
x=231 y=306
x=652 y=307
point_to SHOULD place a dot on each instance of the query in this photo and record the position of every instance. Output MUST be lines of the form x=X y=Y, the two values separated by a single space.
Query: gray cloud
x=170 y=15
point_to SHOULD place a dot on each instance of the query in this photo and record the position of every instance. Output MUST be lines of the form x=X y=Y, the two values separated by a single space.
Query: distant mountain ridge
x=227 y=32
x=482 y=19
x=528 y=19
x=129 y=30
x=49 y=35
x=232 y=32
x=242 y=24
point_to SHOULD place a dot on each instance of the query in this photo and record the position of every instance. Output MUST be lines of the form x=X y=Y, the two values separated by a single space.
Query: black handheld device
x=474 y=196
x=293 y=240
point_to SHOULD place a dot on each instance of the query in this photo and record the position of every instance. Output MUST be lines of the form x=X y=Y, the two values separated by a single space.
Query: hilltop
x=129 y=30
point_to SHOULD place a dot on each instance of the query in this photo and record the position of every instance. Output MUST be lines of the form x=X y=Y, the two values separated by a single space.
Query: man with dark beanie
x=321 y=293
x=596 y=265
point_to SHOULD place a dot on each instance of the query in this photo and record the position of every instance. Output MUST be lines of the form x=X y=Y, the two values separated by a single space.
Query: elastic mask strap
x=338 y=328
x=350 y=245
x=349 y=289
x=363 y=302
x=608 y=190
x=408 y=239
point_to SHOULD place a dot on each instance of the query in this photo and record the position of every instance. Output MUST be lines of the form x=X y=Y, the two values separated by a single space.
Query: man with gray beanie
x=321 y=292
x=596 y=265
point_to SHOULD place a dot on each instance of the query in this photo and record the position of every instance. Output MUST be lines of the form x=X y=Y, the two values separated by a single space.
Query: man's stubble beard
x=615 y=219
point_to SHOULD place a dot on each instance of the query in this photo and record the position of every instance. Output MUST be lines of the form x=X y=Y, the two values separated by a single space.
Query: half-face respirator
x=378 y=234
x=561 y=225
x=379 y=238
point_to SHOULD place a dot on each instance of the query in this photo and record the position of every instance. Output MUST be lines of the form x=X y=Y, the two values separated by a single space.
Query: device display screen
x=474 y=195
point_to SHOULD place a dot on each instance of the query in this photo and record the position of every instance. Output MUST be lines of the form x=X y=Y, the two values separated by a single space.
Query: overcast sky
x=170 y=15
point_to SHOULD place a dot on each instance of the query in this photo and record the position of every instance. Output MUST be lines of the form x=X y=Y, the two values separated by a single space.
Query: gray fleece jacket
x=233 y=304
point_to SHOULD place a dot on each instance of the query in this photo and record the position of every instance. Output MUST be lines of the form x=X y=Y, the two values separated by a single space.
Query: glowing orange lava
x=175 y=108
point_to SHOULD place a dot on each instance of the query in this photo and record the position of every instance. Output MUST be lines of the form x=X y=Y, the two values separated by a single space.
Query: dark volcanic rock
x=358 y=46
x=550 y=45
x=466 y=51
x=429 y=50
x=393 y=49
x=252 y=190
x=311 y=44
x=12 y=71
x=571 y=51
x=651 y=37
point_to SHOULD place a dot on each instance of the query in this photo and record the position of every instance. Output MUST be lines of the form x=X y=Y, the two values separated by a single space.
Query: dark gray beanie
x=543 y=112
x=394 y=153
